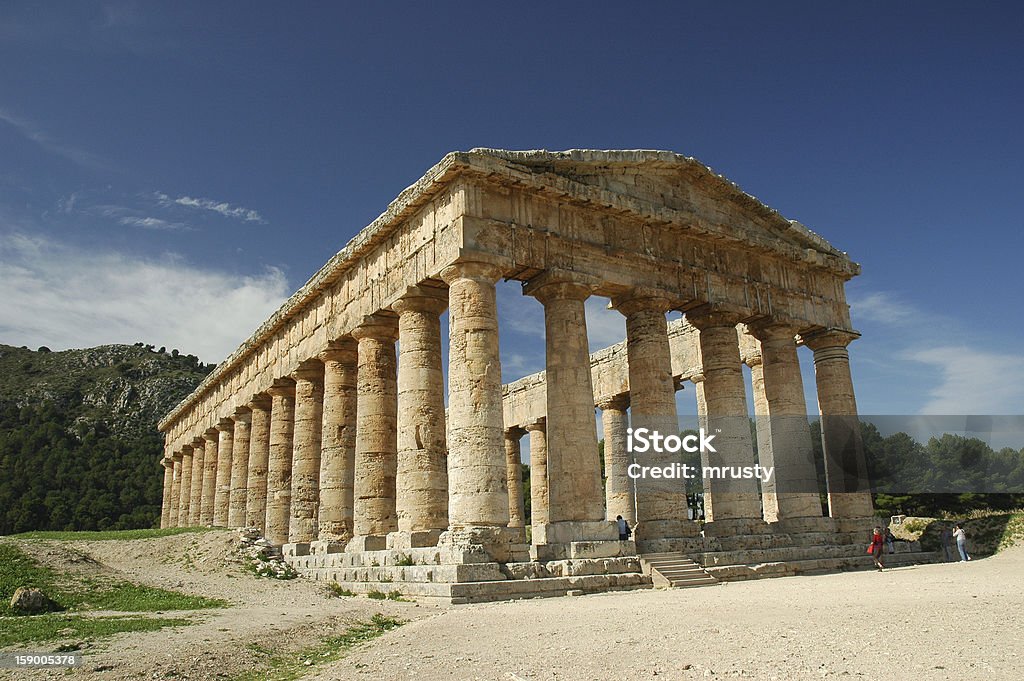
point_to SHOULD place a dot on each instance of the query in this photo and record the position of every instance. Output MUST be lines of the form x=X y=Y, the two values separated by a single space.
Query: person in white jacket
x=961 y=542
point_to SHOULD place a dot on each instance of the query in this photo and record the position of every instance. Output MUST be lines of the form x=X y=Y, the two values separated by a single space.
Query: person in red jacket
x=875 y=548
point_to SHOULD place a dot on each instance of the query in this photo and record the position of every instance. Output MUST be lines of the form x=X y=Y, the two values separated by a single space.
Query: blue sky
x=170 y=172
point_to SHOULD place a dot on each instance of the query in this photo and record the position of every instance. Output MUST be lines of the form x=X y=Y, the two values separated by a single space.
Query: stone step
x=778 y=554
x=728 y=573
x=675 y=570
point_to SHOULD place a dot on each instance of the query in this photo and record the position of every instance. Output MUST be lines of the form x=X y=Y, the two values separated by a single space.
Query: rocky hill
x=78 y=439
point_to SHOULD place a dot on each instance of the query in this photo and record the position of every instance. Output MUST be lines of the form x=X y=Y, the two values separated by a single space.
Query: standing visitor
x=961 y=542
x=875 y=547
x=624 y=529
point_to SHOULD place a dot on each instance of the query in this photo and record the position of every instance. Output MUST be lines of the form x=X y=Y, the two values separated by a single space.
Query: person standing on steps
x=875 y=547
x=961 y=542
x=624 y=529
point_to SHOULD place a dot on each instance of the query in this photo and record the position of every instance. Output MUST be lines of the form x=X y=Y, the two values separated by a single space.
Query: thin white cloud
x=154 y=223
x=62 y=297
x=34 y=133
x=220 y=207
x=604 y=326
x=973 y=381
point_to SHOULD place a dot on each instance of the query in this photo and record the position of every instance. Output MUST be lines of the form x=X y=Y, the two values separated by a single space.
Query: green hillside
x=78 y=440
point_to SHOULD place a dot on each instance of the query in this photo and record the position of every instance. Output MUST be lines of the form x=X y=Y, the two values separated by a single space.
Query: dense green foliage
x=79 y=448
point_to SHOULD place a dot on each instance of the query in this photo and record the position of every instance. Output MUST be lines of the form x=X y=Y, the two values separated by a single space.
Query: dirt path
x=952 y=621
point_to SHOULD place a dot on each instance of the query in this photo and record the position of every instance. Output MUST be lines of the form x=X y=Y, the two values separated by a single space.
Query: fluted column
x=338 y=441
x=225 y=451
x=279 y=464
x=538 y=472
x=783 y=434
x=661 y=509
x=165 y=505
x=478 y=490
x=849 y=494
x=175 y=491
x=725 y=395
x=259 y=459
x=514 y=477
x=376 y=433
x=574 y=467
x=309 y=402
x=422 y=478
x=198 y=472
x=185 y=497
x=210 y=459
x=239 y=467
x=618 y=484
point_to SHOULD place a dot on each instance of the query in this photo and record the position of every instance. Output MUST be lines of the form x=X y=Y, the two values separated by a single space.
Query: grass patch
x=294 y=665
x=42 y=628
x=19 y=569
x=377 y=595
x=109 y=535
x=336 y=590
x=397 y=596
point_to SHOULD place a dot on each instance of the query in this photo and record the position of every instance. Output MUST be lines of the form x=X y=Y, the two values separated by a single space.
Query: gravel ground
x=950 y=621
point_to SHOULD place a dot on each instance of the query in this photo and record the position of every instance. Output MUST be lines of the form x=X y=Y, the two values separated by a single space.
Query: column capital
x=211 y=435
x=753 y=359
x=282 y=387
x=198 y=442
x=260 y=401
x=480 y=271
x=514 y=433
x=177 y=455
x=708 y=317
x=768 y=330
x=617 y=402
x=422 y=299
x=829 y=338
x=642 y=299
x=187 y=449
x=344 y=349
x=377 y=326
x=242 y=414
x=539 y=424
x=560 y=284
x=309 y=370
x=224 y=425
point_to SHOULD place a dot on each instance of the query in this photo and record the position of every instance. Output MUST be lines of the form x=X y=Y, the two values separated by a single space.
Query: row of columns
x=353 y=446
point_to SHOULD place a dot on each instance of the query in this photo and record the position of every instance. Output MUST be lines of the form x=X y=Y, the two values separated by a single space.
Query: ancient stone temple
x=327 y=429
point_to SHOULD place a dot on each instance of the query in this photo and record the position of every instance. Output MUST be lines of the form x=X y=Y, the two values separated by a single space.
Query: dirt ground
x=948 y=621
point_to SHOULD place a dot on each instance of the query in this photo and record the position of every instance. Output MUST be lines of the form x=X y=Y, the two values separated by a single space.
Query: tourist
x=875 y=547
x=624 y=529
x=947 y=543
x=889 y=541
x=961 y=542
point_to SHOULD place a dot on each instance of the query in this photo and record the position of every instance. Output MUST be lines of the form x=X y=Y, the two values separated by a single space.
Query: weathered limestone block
x=210 y=460
x=305 y=495
x=338 y=441
x=240 y=467
x=538 y=472
x=225 y=450
x=175 y=491
x=196 y=485
x=422 y=476
x=783 y=434
x=618 y=485
x=279 y=465
x=845 y=465
x=376 y=431
x=259 y=457
x=478 y=490
x=514 y=474
x=165 y=506
x=661 y=508
x=574 y=470
x=724 y=393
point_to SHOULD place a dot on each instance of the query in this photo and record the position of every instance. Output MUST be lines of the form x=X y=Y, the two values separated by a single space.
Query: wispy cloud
x=220 y=207
x=36 y=134
x=62 y=297
x=973 y=381
x=154 y=223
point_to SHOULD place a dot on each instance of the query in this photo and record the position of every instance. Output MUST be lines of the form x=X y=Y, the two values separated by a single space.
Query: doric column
x=422 y=479
x=225 y=451
x=259 y=459
x=196 y=483
x=783 y=434
x=309 y=402
x=725 y=397
x=574 y=467
x=210 y=459
x=239 y=467
x=376 y=432
x=514 y=477
x=478 y=491
x=338 y=441
x=176 y=491
x=661 y=509
x=618 y=484
x=165 y=505
x=849 y=494
x=185 y=495
x=538 y=472
x=279 y=464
